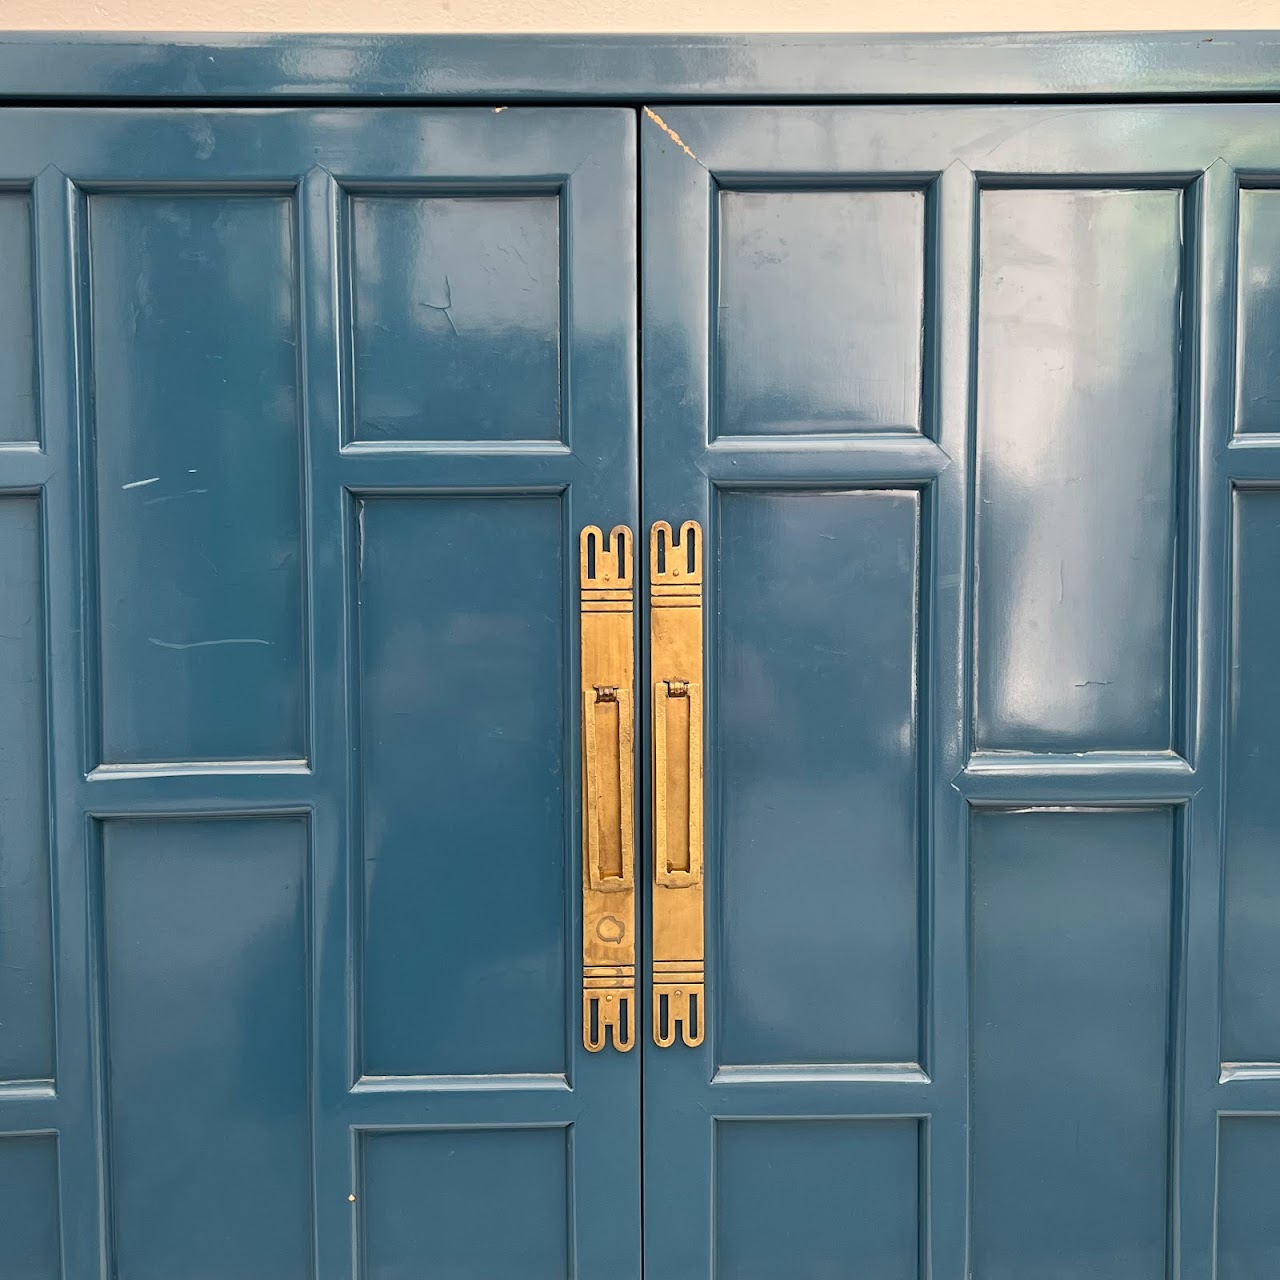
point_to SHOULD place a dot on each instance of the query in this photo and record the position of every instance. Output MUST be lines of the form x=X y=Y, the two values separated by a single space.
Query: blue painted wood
x=642 y=68
x=476 y=1203
x=26 y=975
x=830 y=576
x=986 y=470
x=1071 y=917
x=203 y=928
x=1249 y=1166
x=29 y=1217
x=312 y=859
x=494 y=643
x=1251 y=942
x=20 y=406
x=1059 y=271
x=817 y=1198
x=1087 y=638
x=219 y=603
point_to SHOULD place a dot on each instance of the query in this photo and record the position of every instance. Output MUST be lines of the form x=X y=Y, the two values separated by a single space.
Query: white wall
x=637 y=15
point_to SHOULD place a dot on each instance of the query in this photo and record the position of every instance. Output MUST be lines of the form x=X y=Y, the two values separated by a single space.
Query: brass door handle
x=675 y=634
x=686 y=868
x=607 y=621
x=609 y=830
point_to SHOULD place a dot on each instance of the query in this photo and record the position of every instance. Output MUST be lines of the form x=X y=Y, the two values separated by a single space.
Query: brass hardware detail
x=606 y=567
x=675 y=632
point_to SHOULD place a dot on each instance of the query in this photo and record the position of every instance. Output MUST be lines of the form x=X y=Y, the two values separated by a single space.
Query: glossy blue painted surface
x=19 y=407
x=816 y=607
x=639 y=68
x=205 y=993
x=1258 y=374
x=1071 y=934
x=476 y=1203
x=26 y=942
x=445 y=291
x=322 y=948
x=311 y=737
x=817 y=1198
x=1077 y=417
x=29 y=1208
x=464 y=841
x=1251 y=940
x=858 y=259
x=1248 y=1173
x=1083 y=270
x=195 y=427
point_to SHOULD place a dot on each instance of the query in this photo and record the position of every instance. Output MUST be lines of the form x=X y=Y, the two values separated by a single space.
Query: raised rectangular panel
x=817 y=1198
x=204 y=944
x=1071 y=963
x=1079 y=334
x=26 y=955
x=821 y=311
x=816 y=639
x=29 y=1218
x=19 y=405
x=455 y=313
x=470 y=1204
x=1248 y=1236
x=462 y=776
x=198 y=477
x=1251 y=939
x=1258 y=314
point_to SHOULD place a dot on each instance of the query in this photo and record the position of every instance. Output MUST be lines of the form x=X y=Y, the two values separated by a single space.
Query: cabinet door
x=301 y=413
x=979 y=411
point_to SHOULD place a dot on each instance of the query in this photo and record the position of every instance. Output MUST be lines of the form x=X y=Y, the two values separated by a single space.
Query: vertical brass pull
x=675 y=626
x=665 y=872
x=606 y=571
x=609 y=833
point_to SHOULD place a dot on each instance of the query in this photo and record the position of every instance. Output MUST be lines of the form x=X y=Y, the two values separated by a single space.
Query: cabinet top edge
x=124 y=67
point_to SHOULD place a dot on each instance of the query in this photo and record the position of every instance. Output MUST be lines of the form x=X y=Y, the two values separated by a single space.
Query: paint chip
x=670 y=132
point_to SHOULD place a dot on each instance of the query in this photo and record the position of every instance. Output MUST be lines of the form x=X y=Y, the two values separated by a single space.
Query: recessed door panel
x=467 y=1203
x=26 y=938
x=443 y=290
x=210 y=1111
x=29 y=1235
x=816 y=640
x=1076 y=432
x=462 y=764
x=848 y=268
x=197 y=453
x=843 y=1198
x=1258 y=289
x=1071 y=935
x=1251 y=941
x=1248 y=1244
x=19 y=402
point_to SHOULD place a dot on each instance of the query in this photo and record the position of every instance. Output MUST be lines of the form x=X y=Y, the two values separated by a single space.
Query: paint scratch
x=138 y=484
x=670 y=132
x=173 y=497
x=205 y=644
